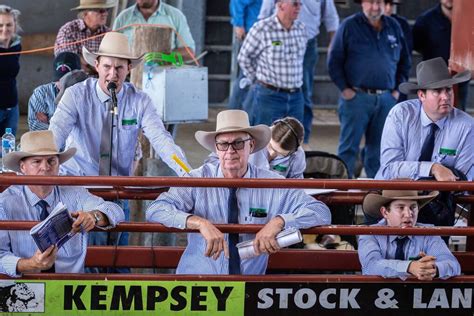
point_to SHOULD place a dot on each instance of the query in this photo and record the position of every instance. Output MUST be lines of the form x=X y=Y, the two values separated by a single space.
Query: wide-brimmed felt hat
x=113 y=44
x=433 y=74
x=374 y=201
x=65 y=62
x=234 y=121
x=95 y=4
x=36 y=143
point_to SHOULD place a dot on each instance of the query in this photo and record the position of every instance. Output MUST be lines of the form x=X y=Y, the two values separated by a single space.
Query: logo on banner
x=21 y=297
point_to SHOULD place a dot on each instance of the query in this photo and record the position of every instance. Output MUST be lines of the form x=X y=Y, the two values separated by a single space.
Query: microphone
x=112 y=87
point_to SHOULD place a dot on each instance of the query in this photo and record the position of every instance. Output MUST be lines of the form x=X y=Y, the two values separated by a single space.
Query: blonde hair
x=4 y=9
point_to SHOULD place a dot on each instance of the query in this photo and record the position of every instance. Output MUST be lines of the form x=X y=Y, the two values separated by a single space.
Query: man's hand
x=215 y=242
x=423 y=269
x=348 y=94
x=42 y=117
x=265 y=240
x=84 y=221
x=239 y=33
x=395 y=94
x=39 y=261
x=441 y=173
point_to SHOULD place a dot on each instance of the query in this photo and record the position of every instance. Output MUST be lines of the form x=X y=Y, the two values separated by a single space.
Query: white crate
x=179 y=94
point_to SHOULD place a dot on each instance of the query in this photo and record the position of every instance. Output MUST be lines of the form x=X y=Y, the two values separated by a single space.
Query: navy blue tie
x=399 y=253
x=44 y=213
x=428 y=145
x=233 y=218
x=44 y=209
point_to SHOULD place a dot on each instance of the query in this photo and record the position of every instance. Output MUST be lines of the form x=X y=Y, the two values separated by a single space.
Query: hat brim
x=408 y=87
x=373 y=202
x=12 y=160
x=90 y=57
x=94 y=6
x=260 y=133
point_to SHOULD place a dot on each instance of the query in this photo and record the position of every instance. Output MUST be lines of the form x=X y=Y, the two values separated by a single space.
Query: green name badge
x=447 y=151
x=277 y=43
x=127 y=122
x=280 y=168
x=258 y=212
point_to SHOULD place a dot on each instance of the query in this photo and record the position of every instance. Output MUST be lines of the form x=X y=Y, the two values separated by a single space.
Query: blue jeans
x=271 y=105
x=309 y=62
x=9 y=118
x=104 y=238
x=363 y=114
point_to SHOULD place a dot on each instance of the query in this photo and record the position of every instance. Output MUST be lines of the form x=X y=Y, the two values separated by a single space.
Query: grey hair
x=81 y=14
x=4 y=9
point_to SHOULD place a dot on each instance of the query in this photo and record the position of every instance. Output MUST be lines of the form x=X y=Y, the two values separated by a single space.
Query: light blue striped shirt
x=18 y=203
x=377 y=253
x=173 y=208
x=310 y=15
x=79 y=119
x=404 y=133
x=291 y=166
x=41 y=101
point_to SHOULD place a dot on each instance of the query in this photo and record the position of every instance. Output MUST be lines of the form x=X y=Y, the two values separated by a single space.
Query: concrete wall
x=41 y=20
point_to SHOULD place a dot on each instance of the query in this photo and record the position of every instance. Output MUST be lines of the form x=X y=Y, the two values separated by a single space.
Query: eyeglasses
x=437 y=92
x=236 y=145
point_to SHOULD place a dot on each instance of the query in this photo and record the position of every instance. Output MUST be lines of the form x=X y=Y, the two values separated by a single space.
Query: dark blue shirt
x=406 y=29
x=364 y=58
x=244 y=13
x=432 y=34
x=9 y=68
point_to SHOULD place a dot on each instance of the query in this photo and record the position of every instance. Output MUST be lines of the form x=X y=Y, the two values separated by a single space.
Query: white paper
x=284 y=239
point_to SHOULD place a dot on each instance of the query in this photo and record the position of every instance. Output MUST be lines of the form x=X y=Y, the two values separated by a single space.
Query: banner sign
x=77 y=297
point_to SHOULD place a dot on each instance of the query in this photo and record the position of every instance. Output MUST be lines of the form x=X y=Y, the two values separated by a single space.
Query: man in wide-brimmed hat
x=367 y=61
x=18 y=251
x=91 y=21
x=212 y=252
x=427 y=136
x=424 y=257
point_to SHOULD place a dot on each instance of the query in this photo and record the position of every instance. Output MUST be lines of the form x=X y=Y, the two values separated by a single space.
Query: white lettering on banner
x=284 y=296
x=264 y=295
x=306 y=298
x=347 y=298
x=323 y=299
x=384 y=299
x=439 y=298
x=310 y=298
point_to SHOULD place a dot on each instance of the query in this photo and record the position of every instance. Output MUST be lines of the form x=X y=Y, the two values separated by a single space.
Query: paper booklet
x=285 y=238
x=54 y=230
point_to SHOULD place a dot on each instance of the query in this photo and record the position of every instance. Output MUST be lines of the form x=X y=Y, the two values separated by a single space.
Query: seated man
x=200 y=208
x=18 y=251
x=424 y=257
x=427 y=136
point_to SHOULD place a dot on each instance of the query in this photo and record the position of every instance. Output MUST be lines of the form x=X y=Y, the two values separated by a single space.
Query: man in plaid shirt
x=272 y=56
x=91 y=21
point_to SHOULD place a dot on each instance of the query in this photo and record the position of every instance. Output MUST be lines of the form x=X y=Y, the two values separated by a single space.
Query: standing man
x=432 y=38
x=157 y=12
x=368 y=60
x=210 y=251
x=91 y=21
x=424 y=257
x=244 y=14
x=272 y=56
x=427 y=136
x=83 y=118
x=41 y=105
x=18 y=251
x=311 y=15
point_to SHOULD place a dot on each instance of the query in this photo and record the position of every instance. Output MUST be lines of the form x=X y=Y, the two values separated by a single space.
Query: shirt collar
x=392 y=238
x=159 y=11
x=104 y=97
x=221 y=175
x=425 y=120
x=33 y=199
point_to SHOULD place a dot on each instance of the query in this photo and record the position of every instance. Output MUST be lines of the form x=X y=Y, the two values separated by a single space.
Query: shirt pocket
x=277 y=51
x=129 y=124
x=394 y=47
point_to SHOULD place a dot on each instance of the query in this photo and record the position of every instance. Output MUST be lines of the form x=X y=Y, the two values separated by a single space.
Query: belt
x=269 y=86
x=372 y=91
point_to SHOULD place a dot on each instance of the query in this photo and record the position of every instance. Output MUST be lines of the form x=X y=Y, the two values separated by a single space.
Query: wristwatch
x=97 y=217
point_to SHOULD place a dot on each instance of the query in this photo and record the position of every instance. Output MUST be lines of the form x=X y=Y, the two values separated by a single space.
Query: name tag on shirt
x=258 y=212
x=277 y=43
x=128 y=122
x=280 y=168
x=447 y=151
